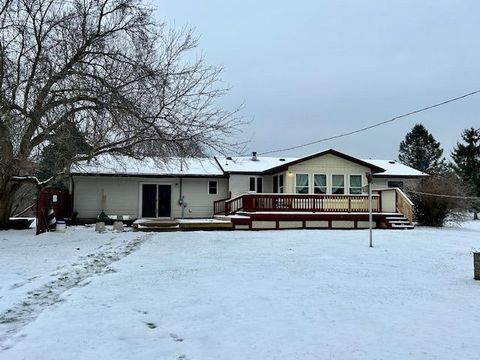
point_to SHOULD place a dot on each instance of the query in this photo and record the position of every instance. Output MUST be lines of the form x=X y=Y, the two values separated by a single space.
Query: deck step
x=402 y=226
x=156 y=228
x=398 y=222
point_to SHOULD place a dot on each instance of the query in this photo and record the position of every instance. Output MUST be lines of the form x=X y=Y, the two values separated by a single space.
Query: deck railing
x=404 y=204
x=298 y=202
x=219 y=206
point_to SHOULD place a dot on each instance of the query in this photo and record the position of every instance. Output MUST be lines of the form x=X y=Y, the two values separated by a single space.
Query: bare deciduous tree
x=107 y=69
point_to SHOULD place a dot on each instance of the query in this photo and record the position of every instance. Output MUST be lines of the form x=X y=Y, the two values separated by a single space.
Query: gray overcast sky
x=311 y=69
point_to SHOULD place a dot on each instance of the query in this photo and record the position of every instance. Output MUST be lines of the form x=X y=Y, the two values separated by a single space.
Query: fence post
x=476 y=265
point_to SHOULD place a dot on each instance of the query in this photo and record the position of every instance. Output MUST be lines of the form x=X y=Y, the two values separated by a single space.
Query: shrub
x=438 y=198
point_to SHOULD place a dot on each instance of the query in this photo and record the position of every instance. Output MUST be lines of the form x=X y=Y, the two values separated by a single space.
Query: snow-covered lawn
x=240 y=295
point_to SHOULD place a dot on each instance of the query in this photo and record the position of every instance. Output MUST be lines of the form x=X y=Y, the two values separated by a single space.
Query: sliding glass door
x=156 y=200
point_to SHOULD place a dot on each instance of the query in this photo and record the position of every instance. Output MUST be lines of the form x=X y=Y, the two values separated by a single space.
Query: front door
x=156 y=200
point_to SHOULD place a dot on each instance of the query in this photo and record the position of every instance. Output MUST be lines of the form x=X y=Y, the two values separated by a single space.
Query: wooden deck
x=160 y=225
x=391 y=209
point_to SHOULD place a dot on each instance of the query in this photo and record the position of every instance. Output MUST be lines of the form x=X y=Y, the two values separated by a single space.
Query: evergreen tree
x=58 y=155
x=421 y=151
x=466 y=162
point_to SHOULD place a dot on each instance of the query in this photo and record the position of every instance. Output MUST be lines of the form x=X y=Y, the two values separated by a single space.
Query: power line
x=374 y=125
x=445 y=196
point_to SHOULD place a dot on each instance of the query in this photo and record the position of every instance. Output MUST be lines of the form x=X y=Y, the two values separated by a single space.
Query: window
x=356 y=184
x=395 y=184
x=259 y=185
x=319 y=184
x=252 y=184
x=212 y=187
x=255 y=184
x=301 y=183
x=338 y=184
x=278 y=184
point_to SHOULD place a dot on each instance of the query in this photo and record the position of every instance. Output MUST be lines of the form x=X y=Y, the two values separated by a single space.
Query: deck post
x=370 y=217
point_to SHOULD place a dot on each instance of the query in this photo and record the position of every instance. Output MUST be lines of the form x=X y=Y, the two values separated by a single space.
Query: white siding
x=239 y=184
x=122 y=195
x=327 y=164
x=198 y=202
x=382 y=183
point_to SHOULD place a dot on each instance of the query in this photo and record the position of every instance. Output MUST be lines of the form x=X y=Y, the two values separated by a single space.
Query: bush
x=434 y=210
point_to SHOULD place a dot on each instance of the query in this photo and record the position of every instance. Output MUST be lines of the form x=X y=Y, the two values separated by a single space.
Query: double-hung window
x=301 y=183
x=320 y=183
x=355 y=184
x=212 y=187
x=338 y=184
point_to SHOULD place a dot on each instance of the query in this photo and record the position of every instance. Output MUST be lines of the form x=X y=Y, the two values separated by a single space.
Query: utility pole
x=370 y=217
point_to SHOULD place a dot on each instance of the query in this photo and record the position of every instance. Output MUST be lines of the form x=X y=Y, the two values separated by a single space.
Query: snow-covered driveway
x=242 y=295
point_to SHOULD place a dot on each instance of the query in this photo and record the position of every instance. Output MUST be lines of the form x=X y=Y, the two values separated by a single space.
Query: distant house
x=321 y=189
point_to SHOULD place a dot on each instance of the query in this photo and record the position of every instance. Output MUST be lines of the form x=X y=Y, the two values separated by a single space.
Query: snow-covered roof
x=394 y=168
x=122 y=165
x=246 y=164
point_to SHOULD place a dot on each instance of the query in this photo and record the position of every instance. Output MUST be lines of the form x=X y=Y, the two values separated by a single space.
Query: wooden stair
x=398 y=222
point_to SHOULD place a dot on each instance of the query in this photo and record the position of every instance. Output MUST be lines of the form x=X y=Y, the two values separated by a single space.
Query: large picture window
x=355 y=184
x=301 y=183
x=320 y=184
x=338 y=184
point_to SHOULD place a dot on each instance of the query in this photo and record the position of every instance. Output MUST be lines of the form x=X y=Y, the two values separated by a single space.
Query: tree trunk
x=8 y=189
x=475 y=215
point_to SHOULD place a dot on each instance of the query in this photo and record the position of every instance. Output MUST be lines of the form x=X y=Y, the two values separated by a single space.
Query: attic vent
x=229 y=158
x=282 y=159
x=391 y=162
x=254 y=156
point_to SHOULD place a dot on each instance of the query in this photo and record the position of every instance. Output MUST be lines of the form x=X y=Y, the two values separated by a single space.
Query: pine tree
x=57 y=157
x=466 y=162
x=421 y=151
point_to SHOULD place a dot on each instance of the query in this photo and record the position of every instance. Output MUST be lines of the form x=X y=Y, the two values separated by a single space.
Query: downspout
x=73 y=217
x=180 y=199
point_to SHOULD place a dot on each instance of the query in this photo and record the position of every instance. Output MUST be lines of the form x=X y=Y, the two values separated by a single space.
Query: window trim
x=356 y=187
x=216 y=187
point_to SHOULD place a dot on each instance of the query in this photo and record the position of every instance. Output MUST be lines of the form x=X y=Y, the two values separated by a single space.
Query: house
x=325 y=189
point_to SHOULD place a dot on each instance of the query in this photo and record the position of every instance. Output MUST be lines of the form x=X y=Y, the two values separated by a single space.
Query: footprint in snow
x=151 y=325
x=176 y=338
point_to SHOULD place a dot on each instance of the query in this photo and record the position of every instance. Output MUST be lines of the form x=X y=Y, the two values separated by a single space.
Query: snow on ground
x=241 y=295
